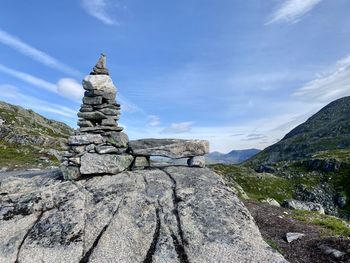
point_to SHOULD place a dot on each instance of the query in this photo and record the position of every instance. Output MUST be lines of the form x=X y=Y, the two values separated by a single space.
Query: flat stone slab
x=172 y=148
x=94 y=163
x=177 y=214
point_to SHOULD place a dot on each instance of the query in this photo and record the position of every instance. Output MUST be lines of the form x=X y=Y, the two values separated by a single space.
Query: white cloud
x=291 y=11
x=65 y=87
x=99 y=10
x=70 y=88
x=153 y=120
x=35 y=54
x=29 y=78
x=329 y=86
x=12 y=95
x=180 y=127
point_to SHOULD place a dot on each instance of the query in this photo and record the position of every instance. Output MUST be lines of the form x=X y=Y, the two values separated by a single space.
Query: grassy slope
x=26 y=137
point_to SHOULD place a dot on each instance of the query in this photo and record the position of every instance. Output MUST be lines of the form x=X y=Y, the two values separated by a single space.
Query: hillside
x=233 y=157
x=27 y=139
x=328 y=129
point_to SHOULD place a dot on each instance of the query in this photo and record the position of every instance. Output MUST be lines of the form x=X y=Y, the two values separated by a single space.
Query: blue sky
x=238 y=73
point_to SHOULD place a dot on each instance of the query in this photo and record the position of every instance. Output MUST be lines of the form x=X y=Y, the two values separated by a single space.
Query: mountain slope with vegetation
x=233 y=157
x=29 y=140
x=329 y=129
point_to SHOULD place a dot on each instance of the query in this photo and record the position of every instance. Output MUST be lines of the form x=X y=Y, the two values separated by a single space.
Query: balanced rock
x=100 y=68
x=84 y=139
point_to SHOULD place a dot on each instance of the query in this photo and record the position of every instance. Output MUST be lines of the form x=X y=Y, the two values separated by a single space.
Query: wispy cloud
x=180 y=127
x=35 y=54
x=99 y=9
x=29 y=78
x=328 y=86
x=153 y=120
x=65 y=87
x=291 y=11
x=13 y=95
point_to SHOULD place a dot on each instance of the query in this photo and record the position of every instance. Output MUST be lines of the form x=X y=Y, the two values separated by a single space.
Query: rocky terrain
x=166 y=214
x=29 y=140
x=233 y=157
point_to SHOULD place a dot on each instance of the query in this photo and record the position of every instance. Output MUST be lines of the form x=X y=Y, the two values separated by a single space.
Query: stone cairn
x=99 y=147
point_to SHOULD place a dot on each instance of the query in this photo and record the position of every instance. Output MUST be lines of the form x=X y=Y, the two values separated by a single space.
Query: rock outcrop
x=173 y=214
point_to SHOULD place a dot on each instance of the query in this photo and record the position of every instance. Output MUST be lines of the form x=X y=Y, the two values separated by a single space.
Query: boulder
x=196 y=161
x=300 y=205
x=100 y=82
x=172 y=148
x=178 y=214
x=85 y=139
x=93 y=163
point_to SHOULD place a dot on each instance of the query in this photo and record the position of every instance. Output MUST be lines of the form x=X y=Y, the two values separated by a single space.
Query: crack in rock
x=86 y=257
x=179 y=246
x=152 y=248
x=26 y=235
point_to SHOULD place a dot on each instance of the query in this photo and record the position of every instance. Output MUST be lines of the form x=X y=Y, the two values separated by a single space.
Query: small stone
x=86 y=108
x=108 y=106
x=70 y=172
x=75 y=160
x=117 y=139
x=331 y=251
x=84 y=139
x=90 y=148
x=141 y=162
x=110 y=112
x=92 y=115
x=100 y=67
x=98 y=129
x=290 y=237
x=196 y=161
x=107 y=149
x=78 y=149
x=85 y=123
x=92 y=100
x=93 y=163
x=109 y=122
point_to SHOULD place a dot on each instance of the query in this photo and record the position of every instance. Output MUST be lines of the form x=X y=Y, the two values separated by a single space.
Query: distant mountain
x=328 y=129
x=28 y=139
x=233 y=157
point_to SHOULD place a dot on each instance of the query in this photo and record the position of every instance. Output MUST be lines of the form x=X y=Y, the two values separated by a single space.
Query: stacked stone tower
x=99 y=146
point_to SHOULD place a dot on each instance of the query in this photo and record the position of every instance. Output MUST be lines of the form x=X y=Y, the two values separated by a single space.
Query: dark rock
x=92 y=100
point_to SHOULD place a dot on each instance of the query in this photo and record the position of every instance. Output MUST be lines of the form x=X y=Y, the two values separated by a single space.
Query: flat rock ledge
x=173 y=214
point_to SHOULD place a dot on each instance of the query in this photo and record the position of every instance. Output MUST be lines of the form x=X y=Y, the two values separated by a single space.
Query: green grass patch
x=272 y=243
x=256 y=185
x=333 y=225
